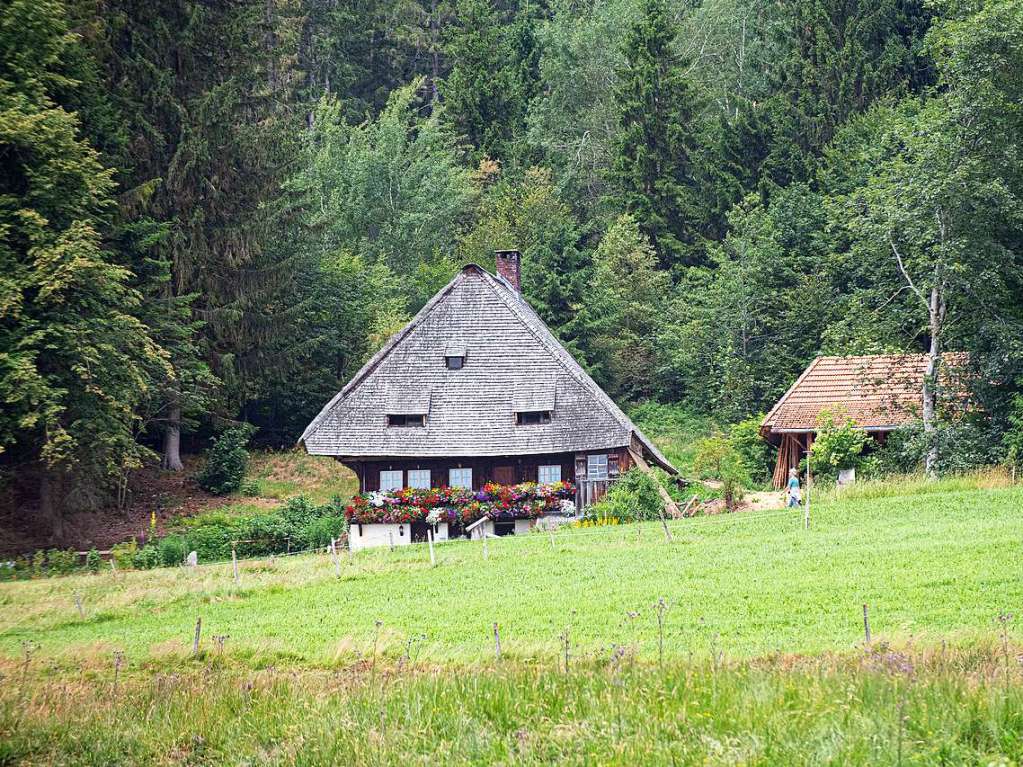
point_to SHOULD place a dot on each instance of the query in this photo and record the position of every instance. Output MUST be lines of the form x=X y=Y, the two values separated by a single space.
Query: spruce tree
x=654 y=165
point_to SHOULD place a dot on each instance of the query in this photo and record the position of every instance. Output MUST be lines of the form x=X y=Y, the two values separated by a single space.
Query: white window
x=460 y=478
x=596 y=466
x=419 y=478
x=548 y=474
x=390 y=480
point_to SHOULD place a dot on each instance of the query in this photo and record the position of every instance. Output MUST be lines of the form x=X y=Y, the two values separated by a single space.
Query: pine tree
x=654 y=165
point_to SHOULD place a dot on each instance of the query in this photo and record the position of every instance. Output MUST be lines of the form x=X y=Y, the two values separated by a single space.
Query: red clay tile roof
x=876 y=392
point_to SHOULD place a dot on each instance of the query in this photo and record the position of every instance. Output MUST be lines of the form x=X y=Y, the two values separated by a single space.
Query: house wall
x=501 y=469
x=367 y=536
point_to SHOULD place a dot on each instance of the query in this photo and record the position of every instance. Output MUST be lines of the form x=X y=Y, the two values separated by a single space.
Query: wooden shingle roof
x=512 y=362
x=878 y=392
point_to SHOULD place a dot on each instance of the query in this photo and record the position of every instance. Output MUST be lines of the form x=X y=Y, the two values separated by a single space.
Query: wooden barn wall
x=504 y=469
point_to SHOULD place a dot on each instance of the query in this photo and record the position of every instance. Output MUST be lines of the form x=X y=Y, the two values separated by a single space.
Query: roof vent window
x=532 y=417
x=401 y=419
x=454 y=355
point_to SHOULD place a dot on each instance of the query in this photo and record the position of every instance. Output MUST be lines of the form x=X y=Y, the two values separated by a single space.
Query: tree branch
x=905 y=274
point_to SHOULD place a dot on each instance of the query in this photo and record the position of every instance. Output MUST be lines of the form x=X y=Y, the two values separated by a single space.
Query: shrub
x=226 y=461
x=320 y=531
x=173 y=549
x=61 y=562
x=837 y=446
x=963 y=446
x=147 y=557
x=251 y=488
x=93 y=561
x=634 y=497
x=755 y=452
x=123 y=554
x=717 y=458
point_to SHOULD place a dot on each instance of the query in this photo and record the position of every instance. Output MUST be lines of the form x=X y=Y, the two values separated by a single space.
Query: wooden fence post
x=486 y=552
x=429 y=540
x=390 y=539
x=78 y=604
x=234 y=563
x=497 y=641
x=198 y=633
x=866 y=624
x=334 y=557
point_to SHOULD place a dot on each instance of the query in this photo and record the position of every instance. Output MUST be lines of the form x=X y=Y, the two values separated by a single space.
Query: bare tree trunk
x=50 y=503
x=936 y=316
x=172 y=441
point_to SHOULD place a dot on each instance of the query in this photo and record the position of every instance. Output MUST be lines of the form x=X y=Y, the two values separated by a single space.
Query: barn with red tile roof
x=879 y=393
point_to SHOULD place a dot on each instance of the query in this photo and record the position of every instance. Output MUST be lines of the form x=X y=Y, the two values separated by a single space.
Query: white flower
x=376 y=498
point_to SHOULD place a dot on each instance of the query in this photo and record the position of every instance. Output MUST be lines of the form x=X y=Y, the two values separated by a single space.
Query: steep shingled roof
x=511 y=360
x=877 y=392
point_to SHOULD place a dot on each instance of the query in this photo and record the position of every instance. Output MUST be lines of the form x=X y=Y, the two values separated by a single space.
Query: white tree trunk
x=936 y=316
x=172 y=441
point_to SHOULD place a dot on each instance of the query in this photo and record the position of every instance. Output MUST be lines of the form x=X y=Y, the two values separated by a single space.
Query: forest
x=213 y=211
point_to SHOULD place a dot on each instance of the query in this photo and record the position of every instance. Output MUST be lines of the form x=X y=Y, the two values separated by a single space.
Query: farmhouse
x=475 y=392
x=878 y=392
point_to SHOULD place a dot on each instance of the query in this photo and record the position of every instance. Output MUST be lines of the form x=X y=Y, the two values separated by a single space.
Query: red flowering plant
x=528 y=500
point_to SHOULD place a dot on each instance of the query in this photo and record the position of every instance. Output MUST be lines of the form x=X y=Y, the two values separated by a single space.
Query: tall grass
x=915 y=484
x=879 y=707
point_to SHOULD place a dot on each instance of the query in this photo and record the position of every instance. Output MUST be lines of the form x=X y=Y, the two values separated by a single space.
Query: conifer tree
x=654 y=164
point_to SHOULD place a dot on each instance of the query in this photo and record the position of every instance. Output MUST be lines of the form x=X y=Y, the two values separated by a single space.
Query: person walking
x=794 y=494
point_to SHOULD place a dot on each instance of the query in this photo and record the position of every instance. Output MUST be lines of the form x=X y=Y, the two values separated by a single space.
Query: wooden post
x=806 y=506
x=429 y=540
x=234 y=563
x=486 y=552
x=198 y=633
x=692 y=501
x=334 y=557
x=78 y=604
x=497 y=641
x=113 y=565
x=866 y=624
x=390 y=539
x=550 y=531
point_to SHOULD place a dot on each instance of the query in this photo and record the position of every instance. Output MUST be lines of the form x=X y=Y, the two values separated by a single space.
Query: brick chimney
x=509 y=266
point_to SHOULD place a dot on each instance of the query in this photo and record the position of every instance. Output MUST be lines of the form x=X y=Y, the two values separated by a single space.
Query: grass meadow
x=740 y=641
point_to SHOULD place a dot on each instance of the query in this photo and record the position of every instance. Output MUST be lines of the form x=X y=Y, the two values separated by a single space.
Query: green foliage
x=296 y=525
x=1013 y=438
x=123 y=554
x=61 y=561
x=147 y=557
x=172 y=550
x=226 y=461
x=753 y=450
x=838 y=445
x=620 y=312
x=717 y=458
x=632 y=498
x=93 y=561
x=653 y=165
x=527 y=213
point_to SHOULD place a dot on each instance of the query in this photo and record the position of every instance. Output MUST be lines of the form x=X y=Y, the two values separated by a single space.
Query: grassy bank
x=932 y=567
x=876 y=707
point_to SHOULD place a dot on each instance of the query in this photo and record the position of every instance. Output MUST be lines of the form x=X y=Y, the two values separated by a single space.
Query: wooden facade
x=504 y=470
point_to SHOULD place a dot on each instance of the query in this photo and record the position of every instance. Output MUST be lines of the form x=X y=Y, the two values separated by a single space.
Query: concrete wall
x=373 y=535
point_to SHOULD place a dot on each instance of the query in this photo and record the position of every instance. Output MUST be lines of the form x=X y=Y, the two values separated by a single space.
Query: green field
x=763 y=659
x=931 y=566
